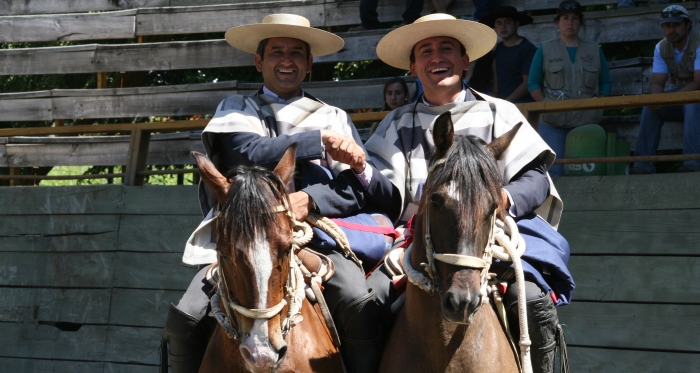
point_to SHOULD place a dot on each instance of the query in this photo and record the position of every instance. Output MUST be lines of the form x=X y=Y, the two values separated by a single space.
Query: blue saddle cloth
x=368 y=246
x=546 y=257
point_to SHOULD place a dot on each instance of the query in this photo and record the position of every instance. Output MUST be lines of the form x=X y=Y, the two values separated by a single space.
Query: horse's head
x=462 y=194
x=253 y=239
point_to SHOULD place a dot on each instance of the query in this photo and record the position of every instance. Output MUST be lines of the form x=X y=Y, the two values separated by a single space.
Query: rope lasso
x=332 y=229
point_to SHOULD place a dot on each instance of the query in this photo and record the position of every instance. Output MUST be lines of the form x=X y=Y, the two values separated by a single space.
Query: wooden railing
x=140 y=133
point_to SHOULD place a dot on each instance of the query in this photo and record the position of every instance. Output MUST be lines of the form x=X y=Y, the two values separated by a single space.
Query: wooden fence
x=88 y=272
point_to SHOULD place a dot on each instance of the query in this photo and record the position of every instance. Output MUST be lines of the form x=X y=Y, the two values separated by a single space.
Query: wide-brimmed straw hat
x=506 y=12
x=395 y=47
x=247 y=37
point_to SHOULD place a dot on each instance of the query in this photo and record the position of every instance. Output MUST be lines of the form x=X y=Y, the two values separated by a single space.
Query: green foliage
x=365 y=70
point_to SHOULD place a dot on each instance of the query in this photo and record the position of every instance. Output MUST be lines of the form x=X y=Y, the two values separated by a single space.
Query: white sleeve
x=659 y=66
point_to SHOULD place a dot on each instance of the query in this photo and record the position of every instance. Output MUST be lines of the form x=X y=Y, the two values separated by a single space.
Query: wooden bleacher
x=87 y=273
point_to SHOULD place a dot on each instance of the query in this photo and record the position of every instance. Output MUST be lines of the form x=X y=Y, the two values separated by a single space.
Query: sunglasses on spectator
x=673 y=13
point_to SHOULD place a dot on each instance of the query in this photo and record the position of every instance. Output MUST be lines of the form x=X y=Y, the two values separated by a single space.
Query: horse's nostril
x=282 y=354
x=247 y=356
x=452 y=303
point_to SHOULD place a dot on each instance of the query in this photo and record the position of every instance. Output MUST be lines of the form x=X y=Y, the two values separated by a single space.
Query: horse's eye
x=437 y=199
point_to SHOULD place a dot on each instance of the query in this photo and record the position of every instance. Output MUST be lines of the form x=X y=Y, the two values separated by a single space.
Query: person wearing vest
x=567 y=68
x=677 y=55
x=437 y=49
x=333 y=180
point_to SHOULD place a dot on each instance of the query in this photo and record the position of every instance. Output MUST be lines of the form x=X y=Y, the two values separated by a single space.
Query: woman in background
x=566 y=68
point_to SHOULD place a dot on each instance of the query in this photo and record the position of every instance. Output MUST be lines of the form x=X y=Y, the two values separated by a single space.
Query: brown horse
x=443 y=326
x=260 y=289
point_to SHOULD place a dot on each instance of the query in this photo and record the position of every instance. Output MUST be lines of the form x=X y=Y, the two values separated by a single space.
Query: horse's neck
x=456 y=347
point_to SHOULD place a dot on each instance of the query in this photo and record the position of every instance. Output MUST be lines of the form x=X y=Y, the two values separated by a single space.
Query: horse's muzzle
x=458 y=307
x=261 y=358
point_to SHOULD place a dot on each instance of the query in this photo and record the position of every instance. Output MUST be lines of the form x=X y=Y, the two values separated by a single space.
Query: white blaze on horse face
x=452 y=190
x=262 y=265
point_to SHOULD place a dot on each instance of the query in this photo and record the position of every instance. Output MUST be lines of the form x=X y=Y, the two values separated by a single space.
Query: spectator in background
x=369 y=15
x=566 y=68
x=678 y=55
x=513 y=54
x=395 y=94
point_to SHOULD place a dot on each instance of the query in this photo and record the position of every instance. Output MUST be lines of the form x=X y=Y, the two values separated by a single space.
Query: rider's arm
x=247 y=148
x=529 y=188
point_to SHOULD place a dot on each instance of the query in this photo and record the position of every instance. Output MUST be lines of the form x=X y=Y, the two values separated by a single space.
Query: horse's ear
x=285 y=169
x=443 y=134
x=500 y=144
x=212 y=177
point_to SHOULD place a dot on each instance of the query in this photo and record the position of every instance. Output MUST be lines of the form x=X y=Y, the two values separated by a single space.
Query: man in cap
x=333 y=180
x=513 y=54
x=437 y=49
x=677 y=55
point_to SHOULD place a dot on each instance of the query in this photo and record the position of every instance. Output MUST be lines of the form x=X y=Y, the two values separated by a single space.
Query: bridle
x=510 y=247
x=468 y=261
x=293 y=289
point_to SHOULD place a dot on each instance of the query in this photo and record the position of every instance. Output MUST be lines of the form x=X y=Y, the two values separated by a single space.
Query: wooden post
x=101 y=80
x=13 y=172
x=138 y=154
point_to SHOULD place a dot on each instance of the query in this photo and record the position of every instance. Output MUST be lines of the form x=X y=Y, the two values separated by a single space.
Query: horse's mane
x=476 y=178
x=255 y=192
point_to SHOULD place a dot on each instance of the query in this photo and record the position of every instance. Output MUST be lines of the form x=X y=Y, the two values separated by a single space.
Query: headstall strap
x=292 y=291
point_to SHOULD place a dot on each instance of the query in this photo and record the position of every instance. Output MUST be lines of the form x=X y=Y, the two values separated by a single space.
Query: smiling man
x=677 y=56
x=437 y=48
x=332 y=179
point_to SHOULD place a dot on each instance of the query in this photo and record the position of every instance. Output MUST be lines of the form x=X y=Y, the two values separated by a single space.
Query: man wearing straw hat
x=334 y=178
x=437 y=48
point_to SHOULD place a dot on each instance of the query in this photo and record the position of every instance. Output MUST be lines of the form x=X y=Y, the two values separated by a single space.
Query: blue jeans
x=369 y=16
x=650 y=131
x=555 y=137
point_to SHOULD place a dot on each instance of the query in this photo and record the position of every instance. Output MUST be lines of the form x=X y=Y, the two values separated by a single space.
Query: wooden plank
x=157 y=233
x=93 y=154
x=602 y=360
x=636 y=278
x=128 y=368
x=35 y=108
x=624 y=193
x=16 y=7
x=644 y=232
x=98 y=199
x=27 y=340
x=138 y=105
x=81 y=306
x=134 y=307
x=89 y=26
x=44 y=233
x=136 y=270
x=49 y=366
x=161 y=200
x=217 y=18
x=632 y=326
x=85 y=270
x=133 y=345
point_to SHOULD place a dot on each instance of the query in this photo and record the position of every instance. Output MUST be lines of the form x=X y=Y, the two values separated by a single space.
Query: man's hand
x=344 y=150
x=301 y=203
